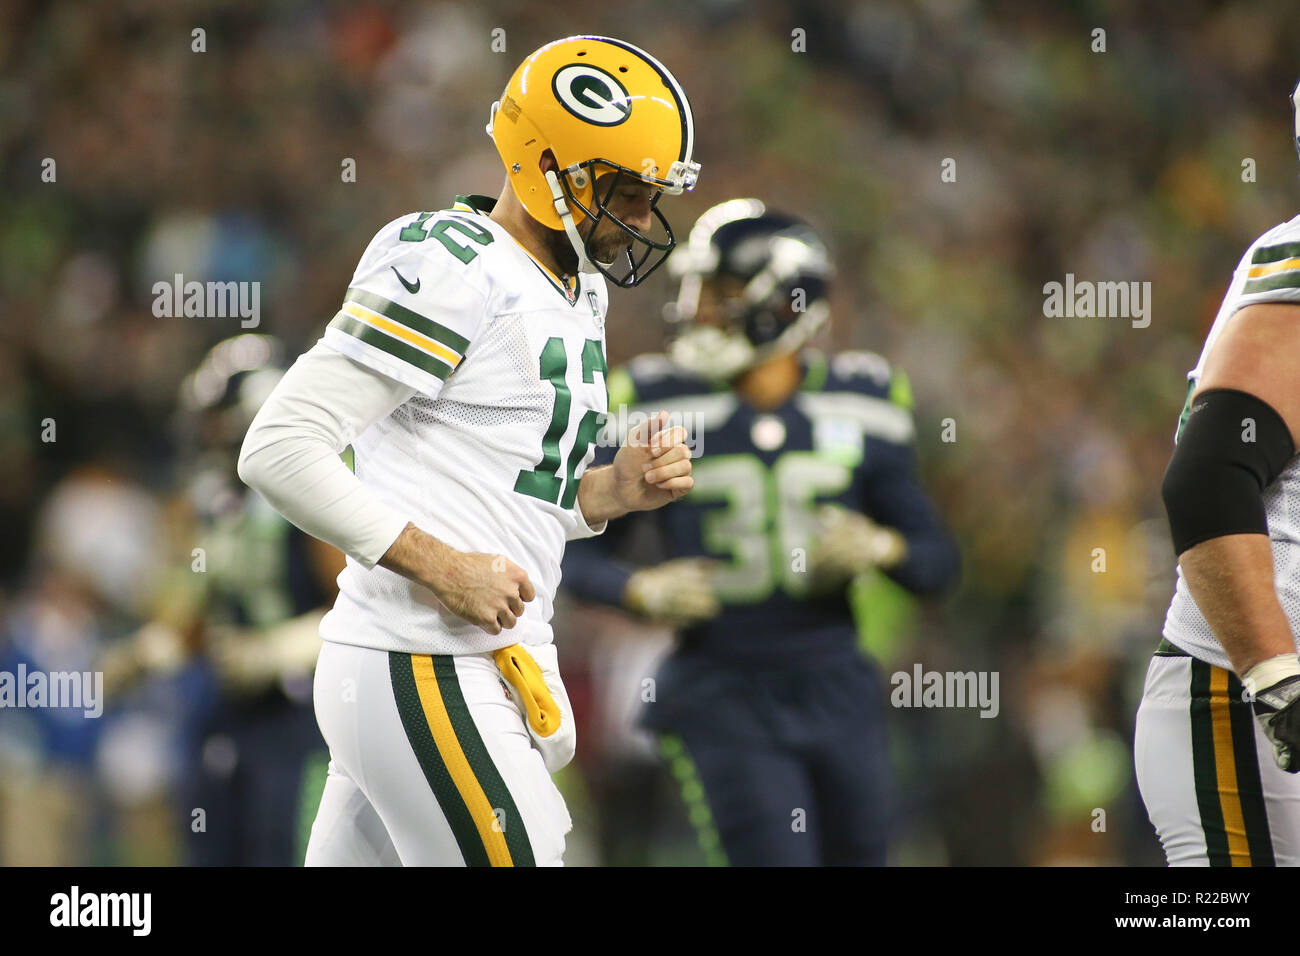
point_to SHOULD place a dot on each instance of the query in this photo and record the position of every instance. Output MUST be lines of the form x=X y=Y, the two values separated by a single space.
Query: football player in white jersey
x=1217 y=743
x=466 y=369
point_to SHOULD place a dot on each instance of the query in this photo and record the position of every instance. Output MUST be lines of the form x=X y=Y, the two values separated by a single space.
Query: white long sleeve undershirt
x=291 y=452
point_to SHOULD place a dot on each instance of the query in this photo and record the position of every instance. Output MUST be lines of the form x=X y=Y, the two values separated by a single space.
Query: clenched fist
x=654 y=465
x=651 y=469
x=487 y=590
x=484 y=589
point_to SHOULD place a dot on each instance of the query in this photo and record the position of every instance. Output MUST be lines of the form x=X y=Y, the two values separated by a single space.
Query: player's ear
x=547 y=161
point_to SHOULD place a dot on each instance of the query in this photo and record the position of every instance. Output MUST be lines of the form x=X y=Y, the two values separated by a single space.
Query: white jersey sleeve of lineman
x=1270 y=270
x=291 y=452
x=411 y=310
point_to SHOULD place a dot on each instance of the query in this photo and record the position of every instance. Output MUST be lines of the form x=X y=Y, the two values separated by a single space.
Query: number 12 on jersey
x=544 y=481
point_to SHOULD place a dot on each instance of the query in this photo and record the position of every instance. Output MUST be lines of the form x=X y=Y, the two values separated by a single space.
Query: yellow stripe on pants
x=1225 y=766
x=453 y=756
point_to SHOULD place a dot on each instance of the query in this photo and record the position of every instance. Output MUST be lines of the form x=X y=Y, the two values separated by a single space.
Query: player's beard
x=607 y=248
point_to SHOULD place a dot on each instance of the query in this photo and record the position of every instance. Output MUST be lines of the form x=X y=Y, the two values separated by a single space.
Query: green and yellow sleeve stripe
x=400 y=332
x=1274 y=267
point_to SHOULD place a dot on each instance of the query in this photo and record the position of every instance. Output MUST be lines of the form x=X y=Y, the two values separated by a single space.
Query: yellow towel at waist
x=518 y=667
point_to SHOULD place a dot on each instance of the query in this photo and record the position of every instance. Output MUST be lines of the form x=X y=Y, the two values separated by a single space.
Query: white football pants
x=1206 y=772
x=431 y=764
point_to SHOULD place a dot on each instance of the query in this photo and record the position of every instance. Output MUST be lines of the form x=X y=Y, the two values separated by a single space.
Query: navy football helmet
x=753 y=284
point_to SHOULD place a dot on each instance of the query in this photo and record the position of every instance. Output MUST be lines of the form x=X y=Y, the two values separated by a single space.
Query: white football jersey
x=508 y=368
x=1268 y=272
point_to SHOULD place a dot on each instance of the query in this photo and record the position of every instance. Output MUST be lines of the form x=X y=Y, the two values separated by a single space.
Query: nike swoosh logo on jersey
x=411 y=288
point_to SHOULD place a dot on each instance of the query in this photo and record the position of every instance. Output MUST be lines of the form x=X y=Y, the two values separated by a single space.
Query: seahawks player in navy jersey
x=805 y=479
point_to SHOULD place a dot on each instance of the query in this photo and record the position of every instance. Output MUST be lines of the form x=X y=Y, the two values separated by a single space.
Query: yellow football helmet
x=599 y=105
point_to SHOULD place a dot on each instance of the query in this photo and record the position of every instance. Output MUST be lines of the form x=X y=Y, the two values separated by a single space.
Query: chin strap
x=562 y=210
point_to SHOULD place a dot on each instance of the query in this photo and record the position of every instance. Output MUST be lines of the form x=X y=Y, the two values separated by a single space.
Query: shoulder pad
x=650 y=368
x=860 y=364
x=447 y=240
x=868 y=373
x=654 y=376
x=1282 y=232
x=408 y=314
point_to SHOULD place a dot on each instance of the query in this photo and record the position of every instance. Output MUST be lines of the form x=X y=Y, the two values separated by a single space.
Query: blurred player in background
x=770 y=715
x=1217 y=742
x=63 y=802
x=236 y=629
x=467 y=369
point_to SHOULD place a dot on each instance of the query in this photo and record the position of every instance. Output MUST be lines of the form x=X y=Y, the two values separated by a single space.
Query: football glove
x=677 y=593
x=849 y=543
x=1276 y=706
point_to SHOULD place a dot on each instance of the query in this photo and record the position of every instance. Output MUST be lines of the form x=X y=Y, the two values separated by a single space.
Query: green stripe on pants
x=673 y=750
x=1203 y=767
x=489 y=778
x=435 y=770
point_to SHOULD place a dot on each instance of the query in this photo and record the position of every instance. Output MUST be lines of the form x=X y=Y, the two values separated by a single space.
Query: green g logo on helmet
x=591 y=94
x=609 y=108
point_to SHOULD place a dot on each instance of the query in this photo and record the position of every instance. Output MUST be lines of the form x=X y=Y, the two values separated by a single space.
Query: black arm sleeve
x=1231 y=448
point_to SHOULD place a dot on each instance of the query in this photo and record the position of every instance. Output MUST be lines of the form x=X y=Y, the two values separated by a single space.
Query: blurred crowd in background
x=230 y=164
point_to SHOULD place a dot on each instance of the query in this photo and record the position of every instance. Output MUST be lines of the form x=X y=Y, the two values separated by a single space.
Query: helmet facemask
x=751 y=332
x=778 y=280
x=633 y=263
